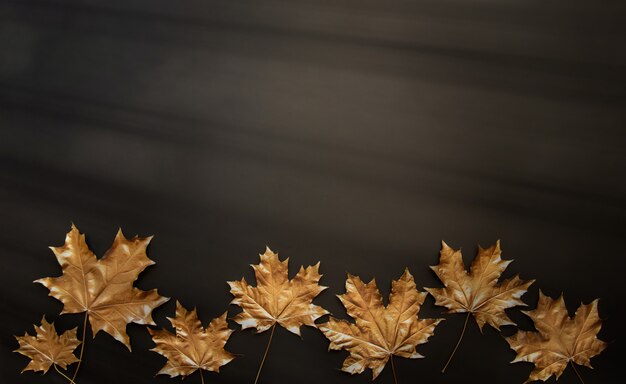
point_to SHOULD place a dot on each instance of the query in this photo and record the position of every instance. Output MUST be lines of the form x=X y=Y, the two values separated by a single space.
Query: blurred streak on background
x=358 y=133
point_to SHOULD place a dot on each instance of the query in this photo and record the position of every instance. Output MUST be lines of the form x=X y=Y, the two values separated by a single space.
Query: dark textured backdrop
x=354 y=132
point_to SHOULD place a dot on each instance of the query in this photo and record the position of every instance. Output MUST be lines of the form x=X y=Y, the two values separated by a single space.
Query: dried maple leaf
x=104 y=288
x=560 y=340
x=379 y=332
x=192 y=347
x=48 y=348
x=276 y=299
x=478 y=292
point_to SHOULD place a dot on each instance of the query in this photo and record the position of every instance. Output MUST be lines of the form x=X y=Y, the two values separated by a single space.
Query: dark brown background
x=357 y=133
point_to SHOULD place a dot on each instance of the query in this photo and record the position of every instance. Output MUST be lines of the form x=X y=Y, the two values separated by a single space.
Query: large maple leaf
x=379 y=332
x=192 y=347
x=276 y=299
x=478 y=292
x=560 y=340
x=47 y=347
x=103 y=288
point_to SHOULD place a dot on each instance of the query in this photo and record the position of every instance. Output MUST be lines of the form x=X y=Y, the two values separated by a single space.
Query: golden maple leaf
x=276 y=299
x=104 y=288
x=192 y=347
x=48 y=348
x=478 y=292
x=560 y=340
x=379 y=332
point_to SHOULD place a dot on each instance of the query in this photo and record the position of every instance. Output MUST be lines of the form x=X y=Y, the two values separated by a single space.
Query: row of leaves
x=104 y=290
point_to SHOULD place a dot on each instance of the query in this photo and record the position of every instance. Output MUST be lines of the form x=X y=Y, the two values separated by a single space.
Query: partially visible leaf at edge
x=192 y=347
x=560 y=340
x=379 y=332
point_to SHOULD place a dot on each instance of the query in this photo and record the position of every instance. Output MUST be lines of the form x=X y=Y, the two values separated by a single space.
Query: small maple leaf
x=478 y=292
x=48 y=348
x=276 y=299
x=560 y=340
x=379 y=332
x=104 y=288
x=192 y=347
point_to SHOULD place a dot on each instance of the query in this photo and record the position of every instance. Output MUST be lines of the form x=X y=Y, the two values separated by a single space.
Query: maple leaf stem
x=201 y=376
x=457 y=343
x=265 y=354
x=393 y=369
x=63 y=374
x=576 y=370
x=82 y=348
